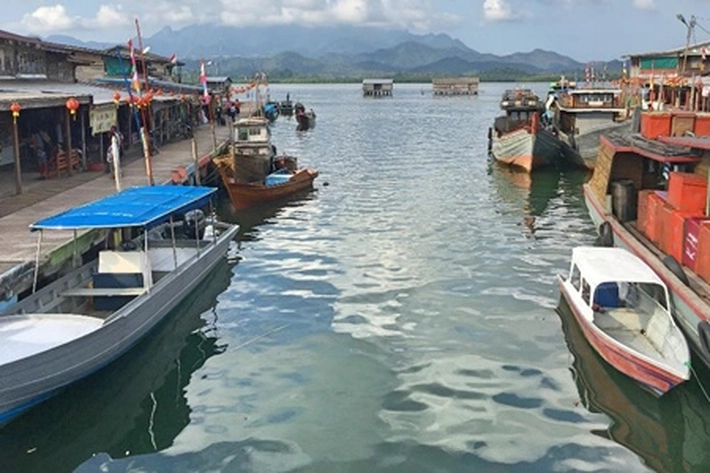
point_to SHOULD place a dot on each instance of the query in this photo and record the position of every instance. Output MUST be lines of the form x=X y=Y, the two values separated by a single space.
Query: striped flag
x=134 y=70
x=173 y=58
x=203 y=79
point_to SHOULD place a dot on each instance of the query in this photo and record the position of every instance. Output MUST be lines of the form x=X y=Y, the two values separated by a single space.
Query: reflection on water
x=400 y=319
x=670 y=433
x=135 y=405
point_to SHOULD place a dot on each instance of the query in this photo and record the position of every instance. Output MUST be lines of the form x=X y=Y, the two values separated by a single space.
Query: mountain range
x=293 y=51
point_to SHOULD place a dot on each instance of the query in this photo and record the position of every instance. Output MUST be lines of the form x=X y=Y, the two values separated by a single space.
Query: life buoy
x=674 y=266
x=606 y=235
x=704 y=336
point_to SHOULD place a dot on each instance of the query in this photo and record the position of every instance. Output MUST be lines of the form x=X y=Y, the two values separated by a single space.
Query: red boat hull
x=244 y=195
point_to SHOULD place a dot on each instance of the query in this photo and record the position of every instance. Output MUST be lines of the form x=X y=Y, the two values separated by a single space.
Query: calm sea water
x=401 y=318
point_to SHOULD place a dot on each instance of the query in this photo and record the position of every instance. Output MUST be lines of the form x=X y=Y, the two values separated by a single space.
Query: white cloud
x=111 y=16
x=416 y=15
x=48 y=20
x=644 y=4
x=497 y=10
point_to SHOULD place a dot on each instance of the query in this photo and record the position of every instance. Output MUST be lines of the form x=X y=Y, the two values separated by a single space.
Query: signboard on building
x=102 y=118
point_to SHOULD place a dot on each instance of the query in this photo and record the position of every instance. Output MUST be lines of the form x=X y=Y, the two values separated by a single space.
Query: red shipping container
x=663 y=226
x=655 y=124
x=642 y=209
x=654 y=201
x=675 y=233
x=702 y=124
x=688 y=191
x=690 y=245
x=702 y=259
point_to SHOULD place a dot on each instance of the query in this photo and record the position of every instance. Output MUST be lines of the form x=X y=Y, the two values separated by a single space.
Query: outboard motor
x=195 y=223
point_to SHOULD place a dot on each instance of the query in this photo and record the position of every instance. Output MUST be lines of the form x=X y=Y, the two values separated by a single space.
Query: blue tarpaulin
x=135 y=207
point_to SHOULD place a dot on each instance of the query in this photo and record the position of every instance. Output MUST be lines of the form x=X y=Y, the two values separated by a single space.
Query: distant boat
x=623 y=309
x=286 y=108
x=518 y=138
x=271 y=111
x=306 y=119
x=79 y=323
x=252 y=172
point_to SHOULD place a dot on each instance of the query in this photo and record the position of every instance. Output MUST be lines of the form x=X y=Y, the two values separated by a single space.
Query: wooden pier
x=444 y=86
x=175 y=163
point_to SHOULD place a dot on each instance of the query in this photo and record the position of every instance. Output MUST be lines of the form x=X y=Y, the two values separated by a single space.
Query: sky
x=586 y=30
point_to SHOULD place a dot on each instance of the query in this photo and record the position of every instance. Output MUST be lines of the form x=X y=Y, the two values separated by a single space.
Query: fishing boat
x=253 y=173
x=518 y=137
x=580 y=115
x=648 y=194
x=286 y=108
x=623 y=309
x=271 y=111
x=87 y=318
x=306 y=118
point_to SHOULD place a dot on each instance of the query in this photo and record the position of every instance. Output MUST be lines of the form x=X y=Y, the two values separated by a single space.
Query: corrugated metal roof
x=693 y=50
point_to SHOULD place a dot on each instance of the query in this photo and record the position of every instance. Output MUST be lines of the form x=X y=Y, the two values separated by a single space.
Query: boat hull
x=244 y=195
x=306 y=121
x=689 y=309
x=581 y=150
x=652 y=376
x=526 y=150
x=29 y=381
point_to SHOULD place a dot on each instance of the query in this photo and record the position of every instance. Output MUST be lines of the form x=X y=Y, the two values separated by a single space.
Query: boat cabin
x=252 y=130
x=522 y=107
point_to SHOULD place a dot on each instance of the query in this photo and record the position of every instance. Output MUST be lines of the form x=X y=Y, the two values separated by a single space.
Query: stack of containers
x=682 y=224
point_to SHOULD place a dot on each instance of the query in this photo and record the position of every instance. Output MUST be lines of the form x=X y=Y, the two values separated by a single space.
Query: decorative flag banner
x=134 y=70
x=173 y=59
x=203 y=79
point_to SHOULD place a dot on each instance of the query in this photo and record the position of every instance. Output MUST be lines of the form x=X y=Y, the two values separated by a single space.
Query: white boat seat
x=104 y=291
x=125 y=262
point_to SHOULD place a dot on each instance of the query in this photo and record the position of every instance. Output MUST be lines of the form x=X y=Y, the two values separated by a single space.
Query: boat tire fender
x=606 y=236
x=704 y=336
x=674 y=266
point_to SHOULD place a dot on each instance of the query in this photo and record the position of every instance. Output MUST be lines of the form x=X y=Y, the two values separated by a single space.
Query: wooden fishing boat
x=79 y=323
x=581 y=115
x=252 y=173
x=277 y=186
x=623 y=309
x=518 y=138
x=286 y=108
x=306 y=118
x=648 y=194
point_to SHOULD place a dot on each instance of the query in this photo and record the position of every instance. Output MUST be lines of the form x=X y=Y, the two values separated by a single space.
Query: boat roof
x=696 y=142
x=656 y=150
x=602 y=264
x=144 y=206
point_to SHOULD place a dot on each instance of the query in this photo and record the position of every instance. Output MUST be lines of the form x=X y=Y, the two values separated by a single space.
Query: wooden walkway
x=43 y=198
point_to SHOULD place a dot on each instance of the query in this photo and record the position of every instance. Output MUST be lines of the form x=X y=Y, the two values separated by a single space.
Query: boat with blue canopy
x=158 y=247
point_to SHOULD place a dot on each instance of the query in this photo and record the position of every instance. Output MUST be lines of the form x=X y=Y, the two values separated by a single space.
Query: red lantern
x=116 y=98
x=72 y=105
x=15 y=109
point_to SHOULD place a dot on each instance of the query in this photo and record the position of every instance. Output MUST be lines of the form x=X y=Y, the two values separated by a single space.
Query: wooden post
x=68 y=133
x=18 y=170
x=198 y=179
x=211 y=112
x=83 y=141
